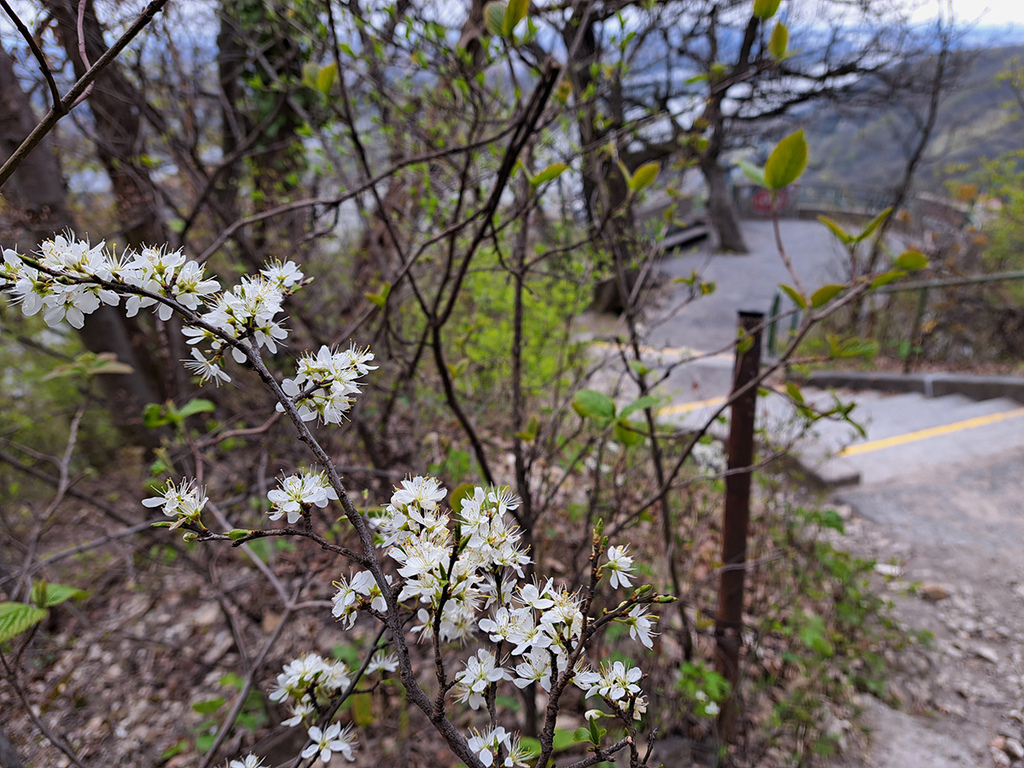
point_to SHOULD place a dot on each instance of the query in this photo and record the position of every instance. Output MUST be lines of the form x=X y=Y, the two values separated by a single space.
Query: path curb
x=974 y=386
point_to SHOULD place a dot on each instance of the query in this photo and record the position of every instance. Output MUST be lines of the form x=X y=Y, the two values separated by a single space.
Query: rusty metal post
x=729 y=617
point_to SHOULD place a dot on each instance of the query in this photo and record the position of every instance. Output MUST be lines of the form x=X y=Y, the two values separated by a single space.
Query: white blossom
x=481 y=671
x=329 y=741
x=249 y=761
x=184 y=501
x=620 y=565
x=298 y=492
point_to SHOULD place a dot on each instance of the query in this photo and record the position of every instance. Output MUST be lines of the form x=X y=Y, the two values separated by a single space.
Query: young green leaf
x=844 y=237
x=553 y=171
x=753 y=172
x=209 y=706
x=494 y=17
x=629 y=432
x=15 y=618
x=872 y=225
x=326 y=77
x=647 y=401
x=530 y=431
x=792 y=292
x=460 y=494
x=48 y=595
x=194 y=406
x=515 y=12
x=786 y=162
x=887 y=277
x=765 y=9
x=911 y=261
x=779 y=42
x=591 y=404
x=644 y=176
x=825 y=294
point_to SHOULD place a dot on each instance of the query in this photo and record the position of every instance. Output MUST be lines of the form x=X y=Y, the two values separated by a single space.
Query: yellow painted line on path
x=924 y=434
x=672 y=410
x=687 y=352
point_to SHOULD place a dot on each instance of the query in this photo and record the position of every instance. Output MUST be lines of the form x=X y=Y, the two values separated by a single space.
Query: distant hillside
x=859 y=148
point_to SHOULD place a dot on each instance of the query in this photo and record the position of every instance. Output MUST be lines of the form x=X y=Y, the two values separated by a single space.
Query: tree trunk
x=37 y=198
x=119 y=144
x=722 y=214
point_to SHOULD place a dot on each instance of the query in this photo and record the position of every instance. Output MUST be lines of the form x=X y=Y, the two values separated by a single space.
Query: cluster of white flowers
x=308 y=681
x=617 y=684
x=297 y=493
x=85 y=276
x=709 y=457
x=490 y=744
x=326 y=383
x=706 y=705
x=456 y=577
x=184 y=501
x=352 y=594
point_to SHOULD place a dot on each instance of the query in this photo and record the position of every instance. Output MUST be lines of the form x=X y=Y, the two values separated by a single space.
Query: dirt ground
x=950 y=544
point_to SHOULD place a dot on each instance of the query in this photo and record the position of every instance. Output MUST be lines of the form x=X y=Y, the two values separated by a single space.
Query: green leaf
x=591 y=404
x=48 y=595
x=553 y=171
x=581 y=734
x=209 y=706
x=825 y=294
x=792 y=292
x=794 y=391
x=562 y=739
x=494 y=17
x=310 y=74
x=887 y=277
x=461 y=493
x=753 y=172
x=765 y=9
x=530 y=431
x=844 y=237
x=325 y=78
x=380 y=298
x=89 y=364
x=15 y=618
x=515 y=12
x=851 y=347
x=779 y=42
x=911 y=261
x=155 y=415
x=194 y=406
x=647 y=401
x=872 y=225
x=362 y=709
x=644 y=176
x=629 y=432
x=786 y=162
x=238 y=533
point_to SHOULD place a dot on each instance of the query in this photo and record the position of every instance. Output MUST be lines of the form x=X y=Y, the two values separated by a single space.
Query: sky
x=984 y=12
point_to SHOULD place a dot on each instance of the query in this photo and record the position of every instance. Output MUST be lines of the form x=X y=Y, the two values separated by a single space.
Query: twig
x=54 y=739
x=65 y=105
x=36 y=52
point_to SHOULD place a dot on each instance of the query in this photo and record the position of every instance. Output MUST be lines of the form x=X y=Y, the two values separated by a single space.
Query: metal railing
x=921 y=286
